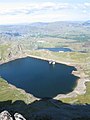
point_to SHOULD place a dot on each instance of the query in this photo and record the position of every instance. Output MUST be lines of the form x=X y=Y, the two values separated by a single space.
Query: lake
x=61 y=49
x=38 y=77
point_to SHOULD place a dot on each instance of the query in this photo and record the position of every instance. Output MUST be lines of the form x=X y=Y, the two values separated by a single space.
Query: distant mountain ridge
x=87 y=23
x=71 y=30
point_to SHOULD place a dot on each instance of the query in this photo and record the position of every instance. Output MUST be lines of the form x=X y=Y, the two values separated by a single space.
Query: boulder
x=5 y=115
x=18 y=116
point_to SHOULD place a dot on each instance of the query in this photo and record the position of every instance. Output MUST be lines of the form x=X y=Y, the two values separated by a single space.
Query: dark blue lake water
x=57 y=49
x=38 y=77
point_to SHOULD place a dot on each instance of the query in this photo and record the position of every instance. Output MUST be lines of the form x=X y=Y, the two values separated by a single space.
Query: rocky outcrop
x=46 y=110
x=18 y=116
x=5 y=115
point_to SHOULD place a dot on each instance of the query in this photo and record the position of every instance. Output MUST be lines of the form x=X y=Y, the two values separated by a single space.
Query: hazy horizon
x=42 y=22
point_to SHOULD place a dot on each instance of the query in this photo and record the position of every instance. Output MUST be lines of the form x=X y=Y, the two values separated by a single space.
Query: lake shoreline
x=78 y=90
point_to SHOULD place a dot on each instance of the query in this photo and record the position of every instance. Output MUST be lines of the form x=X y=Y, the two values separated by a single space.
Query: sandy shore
x=79 y=89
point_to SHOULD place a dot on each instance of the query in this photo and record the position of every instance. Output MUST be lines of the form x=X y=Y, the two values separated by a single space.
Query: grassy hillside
x=19 y=40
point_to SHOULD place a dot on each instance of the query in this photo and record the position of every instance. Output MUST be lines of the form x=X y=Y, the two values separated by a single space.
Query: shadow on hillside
x=47 y=109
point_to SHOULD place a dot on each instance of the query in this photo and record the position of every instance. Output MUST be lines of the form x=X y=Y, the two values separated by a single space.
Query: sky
x=29 y=11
